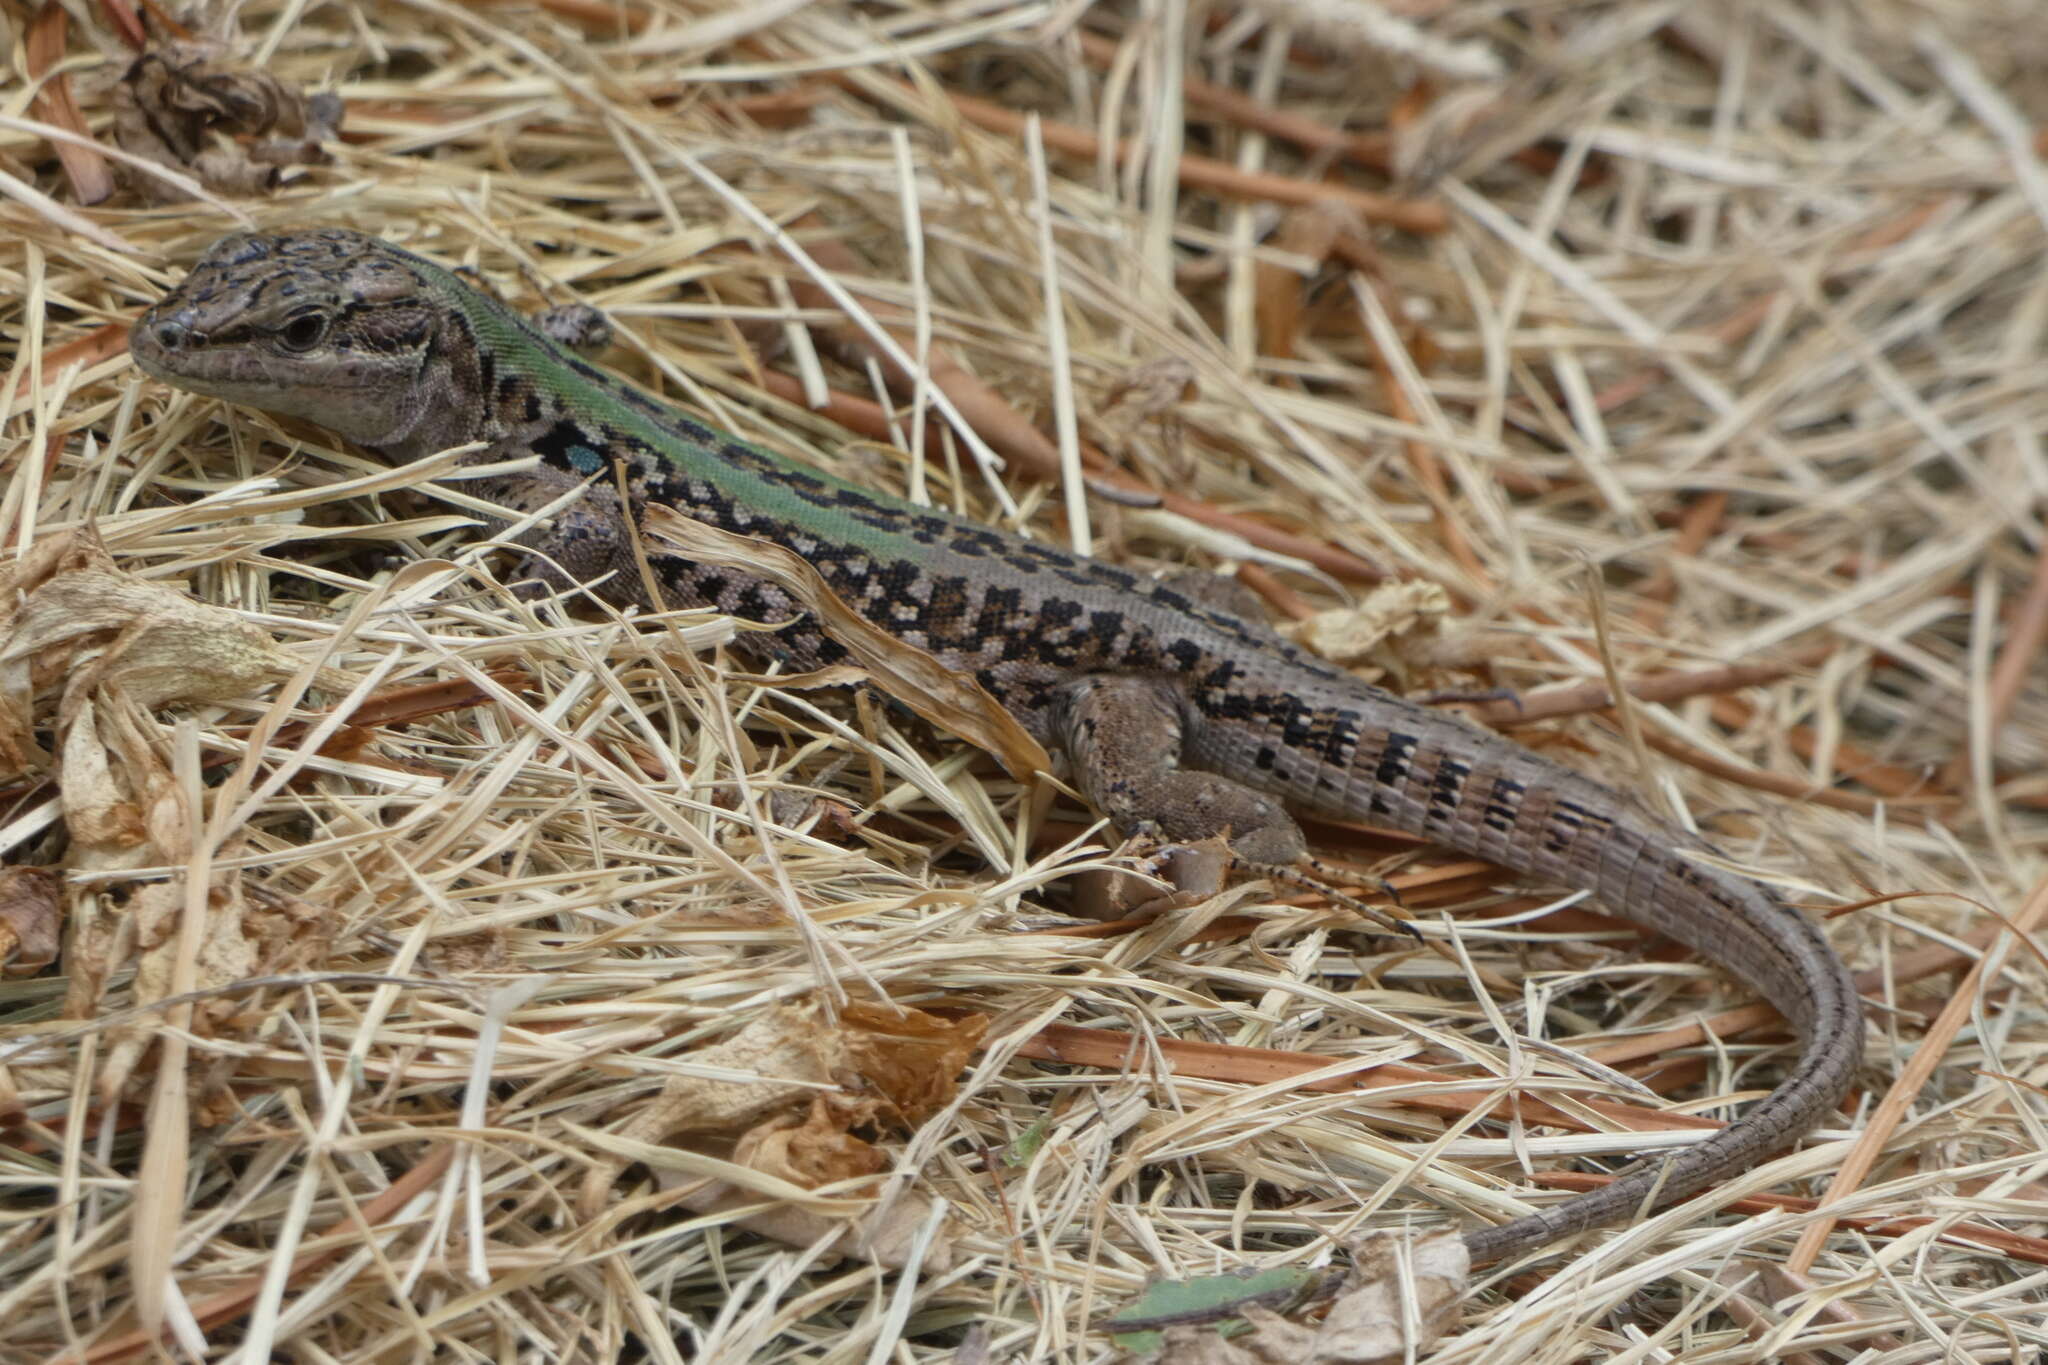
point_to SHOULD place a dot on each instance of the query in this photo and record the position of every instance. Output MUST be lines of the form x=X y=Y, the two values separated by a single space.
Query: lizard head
x=324 y=324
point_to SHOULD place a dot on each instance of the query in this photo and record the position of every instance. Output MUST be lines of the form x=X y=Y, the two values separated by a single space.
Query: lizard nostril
x=172 y=335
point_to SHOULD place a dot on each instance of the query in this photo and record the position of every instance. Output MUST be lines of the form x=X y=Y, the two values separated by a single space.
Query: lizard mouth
x=171 y=350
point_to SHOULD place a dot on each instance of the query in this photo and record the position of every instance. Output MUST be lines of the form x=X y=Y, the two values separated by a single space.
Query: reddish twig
x=1077 y=1046
x=1373 y=150
x=228 y=1304
x=2018 y=657
x=1595 y=695
x=91 y=178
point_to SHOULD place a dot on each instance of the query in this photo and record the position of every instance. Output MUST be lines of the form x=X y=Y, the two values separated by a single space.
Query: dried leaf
x=914 y=1059
x=884 y=1235
x=810 y=1151
x=29 y=918
x=949 y=700
x=1350 y=635
x=181 y=106
x=70 y=616
x=1280 y=294
x=816 y=1151
x=881 y=1061
x=1401 y=1305
x=795 y=1053
x=103 y=796
x=114 y=647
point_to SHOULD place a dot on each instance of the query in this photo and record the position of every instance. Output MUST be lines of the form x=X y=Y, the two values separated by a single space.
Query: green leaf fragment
x=1138 y=1326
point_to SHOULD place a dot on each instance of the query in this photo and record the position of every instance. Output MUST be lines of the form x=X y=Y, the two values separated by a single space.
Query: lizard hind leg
x=1124 y=737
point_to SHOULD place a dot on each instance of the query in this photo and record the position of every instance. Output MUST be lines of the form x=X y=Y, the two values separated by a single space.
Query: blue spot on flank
x=584 y=460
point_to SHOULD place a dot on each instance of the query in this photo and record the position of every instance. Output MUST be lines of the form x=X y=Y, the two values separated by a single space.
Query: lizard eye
x=303 y=332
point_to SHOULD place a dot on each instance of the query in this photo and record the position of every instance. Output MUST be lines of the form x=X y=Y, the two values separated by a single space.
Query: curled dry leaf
x=910 y=1058
x=886 y=1234
x=28 y=919
x=235 y=128
x=885 y=1061
x=950 y=700
x=1362 y=633
x=256 y=932
x=250 y=930
x=811 y=1150
x=70 y=616
x=876 y=1062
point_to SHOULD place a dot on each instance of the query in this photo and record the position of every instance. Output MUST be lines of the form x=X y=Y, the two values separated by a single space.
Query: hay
x=383 y=1033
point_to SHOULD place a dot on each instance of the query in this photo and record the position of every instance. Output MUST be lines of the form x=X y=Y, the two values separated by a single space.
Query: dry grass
x=1742 y=309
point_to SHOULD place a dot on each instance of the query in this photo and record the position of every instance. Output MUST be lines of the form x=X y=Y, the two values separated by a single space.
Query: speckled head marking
x=260 y=312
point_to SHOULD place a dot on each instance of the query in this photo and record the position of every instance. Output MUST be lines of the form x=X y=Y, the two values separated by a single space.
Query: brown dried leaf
x=70 y=616
x=949 y=700
x=181 y=106
x=914 y=1059
x=250 y=931
x=104 y=795
x=884 y=1235
x=788 y=1050
x=114 y=647
x=1280 y=293
x=30 y=914
x=883 y=1061
x=810 y=1151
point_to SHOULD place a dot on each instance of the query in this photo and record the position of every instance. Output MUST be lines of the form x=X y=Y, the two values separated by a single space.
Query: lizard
x=1180 y=719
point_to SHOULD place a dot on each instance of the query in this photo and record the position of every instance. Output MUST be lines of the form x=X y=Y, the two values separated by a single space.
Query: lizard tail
x=1825 y=1011
x=1465 y=791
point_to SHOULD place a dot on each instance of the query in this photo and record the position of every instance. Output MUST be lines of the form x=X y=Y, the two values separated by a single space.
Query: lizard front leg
x=586 y=544
x=583 y=541
x=1124 y=737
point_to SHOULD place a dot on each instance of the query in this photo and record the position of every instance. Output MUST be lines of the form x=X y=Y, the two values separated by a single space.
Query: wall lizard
x=1180 y=720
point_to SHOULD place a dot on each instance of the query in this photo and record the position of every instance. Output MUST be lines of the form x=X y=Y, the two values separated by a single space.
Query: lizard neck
x=470 y=386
